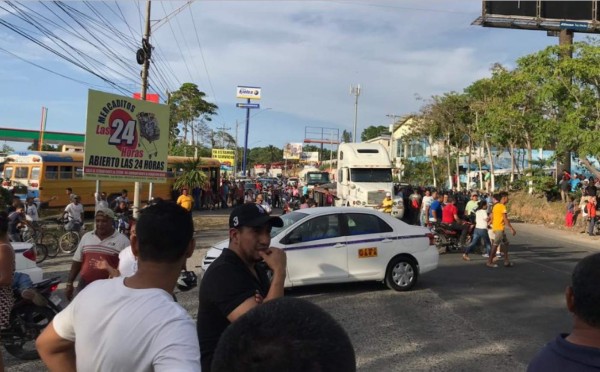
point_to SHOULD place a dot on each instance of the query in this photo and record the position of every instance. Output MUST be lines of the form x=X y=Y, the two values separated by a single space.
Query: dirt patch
x=210 y=222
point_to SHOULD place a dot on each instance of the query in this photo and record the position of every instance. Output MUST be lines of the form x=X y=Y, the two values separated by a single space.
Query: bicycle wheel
x=51 y=242
x=68 y=242
x=41 y=252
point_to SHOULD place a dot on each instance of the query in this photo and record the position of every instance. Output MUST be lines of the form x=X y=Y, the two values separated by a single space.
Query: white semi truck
x=364 y=176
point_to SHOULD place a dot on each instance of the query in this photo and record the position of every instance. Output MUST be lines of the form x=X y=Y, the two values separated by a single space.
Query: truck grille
x=375 y=197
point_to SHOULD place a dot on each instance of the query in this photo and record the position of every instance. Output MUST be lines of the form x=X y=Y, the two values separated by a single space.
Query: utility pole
x=355 y=91
x=146 y=48
x=235 y=159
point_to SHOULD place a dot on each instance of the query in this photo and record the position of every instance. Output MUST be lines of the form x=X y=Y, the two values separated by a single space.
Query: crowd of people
x=133 y=322
x=580 y=212
x=459 y=211
x=244 y=322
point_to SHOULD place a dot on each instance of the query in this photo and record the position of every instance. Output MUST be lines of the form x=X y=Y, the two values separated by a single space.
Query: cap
x=252 y=215
x=105 y=211
x=388 y=194
x=474 y=194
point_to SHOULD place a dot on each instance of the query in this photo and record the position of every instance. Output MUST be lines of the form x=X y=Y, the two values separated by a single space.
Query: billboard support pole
x=246 y=140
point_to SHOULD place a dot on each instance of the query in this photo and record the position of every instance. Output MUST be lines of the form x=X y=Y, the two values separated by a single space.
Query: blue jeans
x=480 y=234
x=21 y=281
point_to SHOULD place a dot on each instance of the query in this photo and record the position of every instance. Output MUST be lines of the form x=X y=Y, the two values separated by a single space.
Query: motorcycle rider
x=450 y=217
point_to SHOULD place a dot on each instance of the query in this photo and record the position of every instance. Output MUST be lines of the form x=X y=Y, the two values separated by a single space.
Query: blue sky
x=304 y=55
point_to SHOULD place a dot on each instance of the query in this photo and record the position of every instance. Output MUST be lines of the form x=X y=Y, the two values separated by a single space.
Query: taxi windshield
x=288 y=220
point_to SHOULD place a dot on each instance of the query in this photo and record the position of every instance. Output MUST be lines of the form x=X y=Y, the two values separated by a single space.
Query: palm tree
x=192 y=176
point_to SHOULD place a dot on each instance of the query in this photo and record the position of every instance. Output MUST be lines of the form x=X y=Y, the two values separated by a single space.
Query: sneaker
x=485 y=255
x=34 y=296
x=466 y=258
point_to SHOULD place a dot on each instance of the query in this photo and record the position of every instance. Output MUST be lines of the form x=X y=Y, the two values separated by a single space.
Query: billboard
x=310 y=157
x=225 y=156
x=248 y=92
x=125 y=139
x=292 y=151
x=578 y=16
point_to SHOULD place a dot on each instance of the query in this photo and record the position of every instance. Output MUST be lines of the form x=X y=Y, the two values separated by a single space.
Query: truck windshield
x=370 y=175
x=317 y=178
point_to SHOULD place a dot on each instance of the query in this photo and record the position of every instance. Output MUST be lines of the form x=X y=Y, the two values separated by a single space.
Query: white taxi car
x=343 y=244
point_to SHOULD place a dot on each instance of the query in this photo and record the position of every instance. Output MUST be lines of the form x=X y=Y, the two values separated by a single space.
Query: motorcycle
x=27 y=320
x=447 y=240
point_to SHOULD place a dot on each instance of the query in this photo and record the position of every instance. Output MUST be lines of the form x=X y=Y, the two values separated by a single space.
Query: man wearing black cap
x=234 y=283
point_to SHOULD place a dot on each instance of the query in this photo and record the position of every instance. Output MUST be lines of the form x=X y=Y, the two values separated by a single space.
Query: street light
x=246 y=141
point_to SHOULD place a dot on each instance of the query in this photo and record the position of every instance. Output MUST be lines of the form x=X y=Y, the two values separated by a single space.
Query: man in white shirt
x=133 y=323
x=74 y=212
x=101 y=200
x=31 y=210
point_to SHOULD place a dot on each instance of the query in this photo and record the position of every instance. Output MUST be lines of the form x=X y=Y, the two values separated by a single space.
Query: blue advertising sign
x=575 y=26
x=248 y=105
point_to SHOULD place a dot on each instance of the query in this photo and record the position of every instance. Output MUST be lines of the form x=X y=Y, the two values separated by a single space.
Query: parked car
x=344 y=244
x=25 y=261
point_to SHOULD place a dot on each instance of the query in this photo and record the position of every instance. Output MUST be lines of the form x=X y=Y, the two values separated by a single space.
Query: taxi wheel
x=401 y=274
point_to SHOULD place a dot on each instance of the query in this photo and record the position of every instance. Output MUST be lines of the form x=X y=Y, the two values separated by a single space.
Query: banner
x=292 y=151
x=225 y=156
x=310 y=157
x=125 y=139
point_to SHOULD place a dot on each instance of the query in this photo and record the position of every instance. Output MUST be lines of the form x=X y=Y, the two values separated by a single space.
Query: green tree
x=346 y=136
x=189 y=109
x=191 y=176
x=372 y=132
x=45 y=147
x=6 y=149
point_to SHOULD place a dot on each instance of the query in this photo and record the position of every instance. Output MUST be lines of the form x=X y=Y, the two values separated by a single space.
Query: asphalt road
x=461 y=317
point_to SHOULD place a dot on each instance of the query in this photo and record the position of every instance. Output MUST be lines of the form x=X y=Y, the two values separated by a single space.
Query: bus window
x=21 y=172
x=51 y=172
x=35 y=173
x=66 y=172
x=78 y=172
x=8 y=171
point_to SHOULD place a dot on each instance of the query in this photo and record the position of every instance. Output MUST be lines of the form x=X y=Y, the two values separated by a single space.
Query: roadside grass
x=536 y=209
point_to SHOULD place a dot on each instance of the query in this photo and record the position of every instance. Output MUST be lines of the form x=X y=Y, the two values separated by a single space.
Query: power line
x=48 y=70
x=178 y=46
x=59 y=54
x=212 y=89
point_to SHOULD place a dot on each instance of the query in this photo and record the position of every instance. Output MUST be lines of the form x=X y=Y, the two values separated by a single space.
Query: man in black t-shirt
x=236 y=282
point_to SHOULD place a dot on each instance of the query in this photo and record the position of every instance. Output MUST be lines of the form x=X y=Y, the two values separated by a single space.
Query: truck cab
x=311 y=179
x=364 y=176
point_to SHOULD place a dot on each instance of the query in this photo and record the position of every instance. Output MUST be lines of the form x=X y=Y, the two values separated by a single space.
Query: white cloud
x=306 y=54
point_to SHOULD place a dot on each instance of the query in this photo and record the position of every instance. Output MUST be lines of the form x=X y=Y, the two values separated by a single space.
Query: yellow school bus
x=43 y=174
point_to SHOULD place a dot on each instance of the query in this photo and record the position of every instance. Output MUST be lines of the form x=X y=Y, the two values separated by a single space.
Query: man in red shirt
x=450 y=217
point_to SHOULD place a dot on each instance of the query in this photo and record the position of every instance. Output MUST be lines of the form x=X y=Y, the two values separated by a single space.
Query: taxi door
x=316 y=251
x=371 y=244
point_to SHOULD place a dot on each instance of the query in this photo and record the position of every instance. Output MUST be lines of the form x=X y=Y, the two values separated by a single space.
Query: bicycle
x=34 y=234
x=69 y=240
